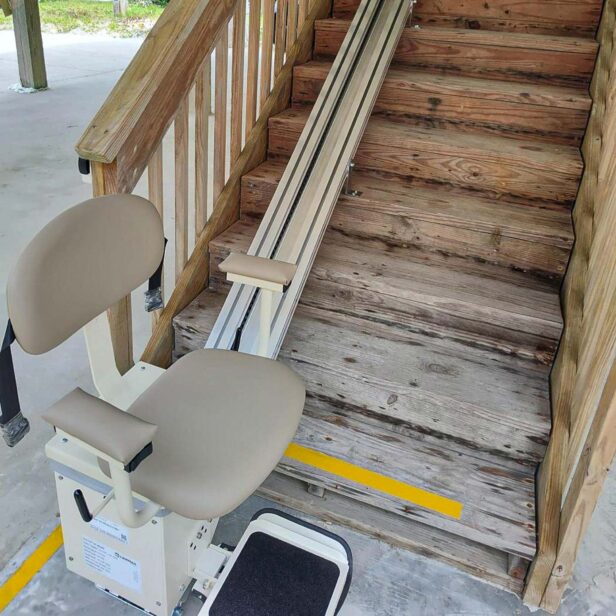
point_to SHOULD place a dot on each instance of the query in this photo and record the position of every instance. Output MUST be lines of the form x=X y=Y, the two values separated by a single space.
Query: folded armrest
x=258 y=269
x=115 y=433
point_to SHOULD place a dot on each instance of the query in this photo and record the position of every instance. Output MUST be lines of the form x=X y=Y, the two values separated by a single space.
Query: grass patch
x=93 y=16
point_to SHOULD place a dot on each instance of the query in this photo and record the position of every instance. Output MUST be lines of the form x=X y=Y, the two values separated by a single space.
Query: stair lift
x=144 y=471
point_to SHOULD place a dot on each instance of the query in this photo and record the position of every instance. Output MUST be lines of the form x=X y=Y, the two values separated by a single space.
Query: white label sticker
x=112 y=564
x=107 y=527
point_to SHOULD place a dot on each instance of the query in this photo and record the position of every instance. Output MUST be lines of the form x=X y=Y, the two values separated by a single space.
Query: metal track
x=300 y=210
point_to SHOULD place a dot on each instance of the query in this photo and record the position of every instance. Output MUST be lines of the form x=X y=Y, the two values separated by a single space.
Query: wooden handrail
x=140 y=108
x=186 y=69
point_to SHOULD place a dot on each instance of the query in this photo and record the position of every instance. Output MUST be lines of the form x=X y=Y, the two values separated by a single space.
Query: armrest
x=258 y=271
x=120 y=436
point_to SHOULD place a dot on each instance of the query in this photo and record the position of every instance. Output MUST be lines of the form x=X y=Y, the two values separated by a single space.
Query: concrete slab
x=38 y=179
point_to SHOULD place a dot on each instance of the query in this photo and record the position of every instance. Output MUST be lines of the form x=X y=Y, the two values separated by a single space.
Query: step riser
x=474 y=113
x=328 y=291
x=478 y=560
x=356 y=220
x=487 y=173
x=420 y=49
x=534 y=17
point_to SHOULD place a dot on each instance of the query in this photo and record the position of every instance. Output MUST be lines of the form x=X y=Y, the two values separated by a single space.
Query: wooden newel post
x=105 y=182
x=30 y=56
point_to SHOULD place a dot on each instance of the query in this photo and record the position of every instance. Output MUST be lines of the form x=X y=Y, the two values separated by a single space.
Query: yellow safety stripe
x=30 y=567
x=376 y=481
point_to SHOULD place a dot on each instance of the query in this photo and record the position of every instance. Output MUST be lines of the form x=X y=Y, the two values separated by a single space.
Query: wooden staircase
x=428 y=326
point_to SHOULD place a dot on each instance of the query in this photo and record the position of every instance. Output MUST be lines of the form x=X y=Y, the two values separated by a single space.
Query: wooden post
x=104 y=182
x=120 y=8
x=29 y=41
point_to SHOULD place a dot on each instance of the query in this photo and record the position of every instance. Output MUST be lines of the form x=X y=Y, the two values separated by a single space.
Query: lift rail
x=300 y=210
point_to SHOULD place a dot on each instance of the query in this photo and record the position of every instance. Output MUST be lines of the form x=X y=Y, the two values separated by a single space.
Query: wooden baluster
x=281 y=31
x=237 y=80
x=266 y=50
x=303 y=11
x=291 y=24
x=155 y=195
x=203 y=94
x=252 y=73
x=181 y=187
x=220 y=113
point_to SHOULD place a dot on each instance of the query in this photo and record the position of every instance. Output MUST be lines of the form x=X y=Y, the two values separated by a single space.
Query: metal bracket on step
x=315 y=490
x=347 y=190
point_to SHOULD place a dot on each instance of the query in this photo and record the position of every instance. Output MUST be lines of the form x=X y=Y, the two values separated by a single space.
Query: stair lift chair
x=144 y=471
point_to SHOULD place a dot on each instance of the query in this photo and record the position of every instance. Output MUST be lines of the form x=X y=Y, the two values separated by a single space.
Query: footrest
x=283 y=566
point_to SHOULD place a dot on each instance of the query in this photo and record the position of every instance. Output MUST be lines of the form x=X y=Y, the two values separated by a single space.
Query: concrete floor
x=38 y=179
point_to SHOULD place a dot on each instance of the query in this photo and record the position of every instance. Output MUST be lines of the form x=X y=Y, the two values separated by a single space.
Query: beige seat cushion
x=224 y=421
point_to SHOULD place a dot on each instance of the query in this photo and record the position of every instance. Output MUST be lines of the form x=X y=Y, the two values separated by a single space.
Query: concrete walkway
x=38 y=179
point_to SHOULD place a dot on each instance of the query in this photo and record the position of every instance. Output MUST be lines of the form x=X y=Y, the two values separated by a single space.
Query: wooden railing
x=583 y=381
x=230 y=59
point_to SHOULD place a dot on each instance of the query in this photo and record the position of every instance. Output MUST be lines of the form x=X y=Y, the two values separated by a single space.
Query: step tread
x=543 y=95
x=381 y=131
x=548 y=16
x=498 y=494
x=476 y=291
x=514 y=40
x=399 y=196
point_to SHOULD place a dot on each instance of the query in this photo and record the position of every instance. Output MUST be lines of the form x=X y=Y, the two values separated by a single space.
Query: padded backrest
x=79 y=265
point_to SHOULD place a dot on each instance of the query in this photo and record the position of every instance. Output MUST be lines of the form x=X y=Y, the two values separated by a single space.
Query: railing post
x=104 y=182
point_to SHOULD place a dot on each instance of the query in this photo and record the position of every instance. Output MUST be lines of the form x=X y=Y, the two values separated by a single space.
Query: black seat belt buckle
x=154 y=294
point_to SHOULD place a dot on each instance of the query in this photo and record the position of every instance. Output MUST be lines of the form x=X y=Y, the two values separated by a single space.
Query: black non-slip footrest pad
x=274 y=578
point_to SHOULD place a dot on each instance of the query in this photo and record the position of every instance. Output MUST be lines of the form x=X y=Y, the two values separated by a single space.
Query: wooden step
x=561 y=17
x=448 y=298
x=529 y=111
x=388 y=401
x=454 y=223
x=501 y=55
x=478 y=560
x=488 y=163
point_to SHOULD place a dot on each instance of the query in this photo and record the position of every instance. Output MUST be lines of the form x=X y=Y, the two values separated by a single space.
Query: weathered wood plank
x=252 y=71
x=237 y=80
x=267 y=41
x=220 y=114
x=477 y=560
x=451 y=222
x=280 y=35
x=508 y=56
x=548 y=172
x=155 y=195
x=562 y=17
x=181 y=187
x=203 y=104
x=525 y=111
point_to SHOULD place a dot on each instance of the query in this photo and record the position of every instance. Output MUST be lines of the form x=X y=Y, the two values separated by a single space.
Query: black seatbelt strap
x=154 y=295
x=13 y=425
